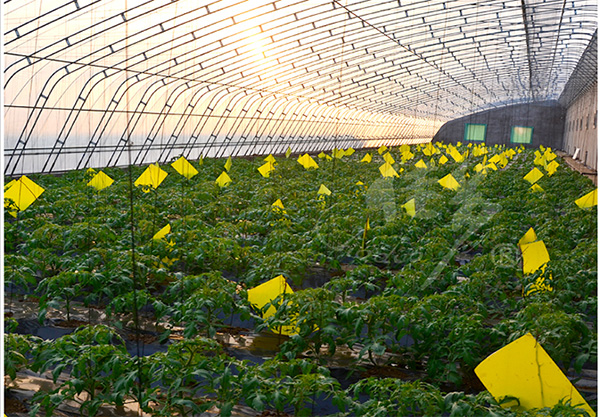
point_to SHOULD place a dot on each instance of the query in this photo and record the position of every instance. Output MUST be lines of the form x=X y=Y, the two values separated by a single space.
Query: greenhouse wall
x=581 y=128
x=544 y=121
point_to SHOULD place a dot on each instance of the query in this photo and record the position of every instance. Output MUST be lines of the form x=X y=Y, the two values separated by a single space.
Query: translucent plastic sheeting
x=94 y=83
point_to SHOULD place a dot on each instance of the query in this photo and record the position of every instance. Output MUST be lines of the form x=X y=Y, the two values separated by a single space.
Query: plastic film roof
x=112 y=82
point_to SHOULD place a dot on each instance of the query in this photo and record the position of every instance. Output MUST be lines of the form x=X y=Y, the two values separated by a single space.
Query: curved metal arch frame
x=360 y=80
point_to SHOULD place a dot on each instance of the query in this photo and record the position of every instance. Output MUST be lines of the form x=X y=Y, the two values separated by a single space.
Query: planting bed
x=392 y=319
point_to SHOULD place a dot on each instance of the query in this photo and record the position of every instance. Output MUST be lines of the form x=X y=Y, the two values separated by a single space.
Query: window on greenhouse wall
x=521 y=134
x=475 y=132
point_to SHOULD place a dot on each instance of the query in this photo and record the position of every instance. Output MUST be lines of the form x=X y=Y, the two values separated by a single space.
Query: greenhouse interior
x=300 y=208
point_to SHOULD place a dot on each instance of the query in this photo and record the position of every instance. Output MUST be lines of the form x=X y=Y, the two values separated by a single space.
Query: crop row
x=435 y=293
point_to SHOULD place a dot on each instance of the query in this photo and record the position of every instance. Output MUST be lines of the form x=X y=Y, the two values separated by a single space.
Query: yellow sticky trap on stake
x=271 y=159
x=265 y=293
x=533 y=176
x=288 y=152
x=338 y=153
x=492 y=166
x=536 y=188
x=10 y=184
x=588 y=200
x=388 y=158
x=266 y=169
x=443 y=160
x=382 y=149
x=388 y=171
x=183 y=167
x=409 y=206
x=522 y=369
x=278 y=206
x=307 y=161
x=21 y=194
x=429 y=149
x=457 y=156
x=407 y=156
x=367 y=158
x=223 y=180
x=100 y=181
x=494 y=159
x=151 y=178
x=349 y=151
x=528 y=237
x=420 y=164
x=449 y=182
x=551 y=168
x=322 y=155
x=323 y=190
x=228 y=164
x=162 y=232
x=535 y=256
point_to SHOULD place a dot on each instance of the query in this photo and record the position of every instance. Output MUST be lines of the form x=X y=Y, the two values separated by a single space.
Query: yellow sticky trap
x=409 y=206
x=449 y=182
x=388 y=171
x=162 y=232
x=367 y=158
x=323 y=190
x=265 y=293
x=382 y=149
x=223 y=180
x=183 y=167
x=478 y=167
x=522 y=369
x=100 y=181
x=528 y=237
x=492 y=166
x=404 y=148
x=549 y=155
x=349 y=151
x=270 y=159
x=388 y=158
x=322 y=155
x=533 y=176
x=338 y=153
x=457 y=156
x=278 y=206
x=494 y=159
x=21 y=194
x=588 y=200
x=407 y=156
x=151 y=178
x=288 y=152
x=443 y=160
x=228 y=164
x=307 y=161
x=551 y=168
x=266 y=169
x=10 y=184
x=429 y=149
x=535 y=256
x=420 y=164
x=536 y=188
